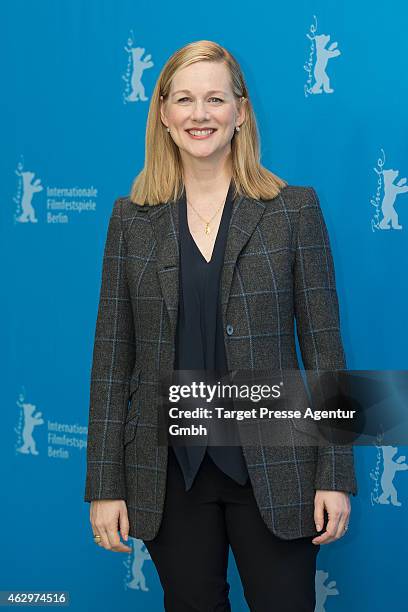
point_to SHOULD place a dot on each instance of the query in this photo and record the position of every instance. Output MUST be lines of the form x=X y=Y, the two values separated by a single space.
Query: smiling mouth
x=200 y=134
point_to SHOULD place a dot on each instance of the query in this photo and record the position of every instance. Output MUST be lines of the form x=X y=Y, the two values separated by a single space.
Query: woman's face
x=200 y=98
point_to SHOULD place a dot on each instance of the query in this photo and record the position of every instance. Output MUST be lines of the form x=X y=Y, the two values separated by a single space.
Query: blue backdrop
x=328 y=82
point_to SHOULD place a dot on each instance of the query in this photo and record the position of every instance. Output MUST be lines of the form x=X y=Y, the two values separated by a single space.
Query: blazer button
x=230 y=329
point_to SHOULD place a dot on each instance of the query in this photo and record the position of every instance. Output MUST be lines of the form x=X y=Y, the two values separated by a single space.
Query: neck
x=206 y=185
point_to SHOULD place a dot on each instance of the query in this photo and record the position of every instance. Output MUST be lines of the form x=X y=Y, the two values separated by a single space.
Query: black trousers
x=190 y=550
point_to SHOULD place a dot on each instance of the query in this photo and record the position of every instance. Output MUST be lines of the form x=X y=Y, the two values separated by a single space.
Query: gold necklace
x=207 y=223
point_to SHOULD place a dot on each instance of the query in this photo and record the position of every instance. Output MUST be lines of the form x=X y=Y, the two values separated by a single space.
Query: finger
x=116 y=544
x=95 y=532
x=342 y=524
x=113 y=536
x=124 y=524
x=319 y=515
x=333 y=522
x=331 y=529
x=113 y=539
x=324 y=538
x=104 y=541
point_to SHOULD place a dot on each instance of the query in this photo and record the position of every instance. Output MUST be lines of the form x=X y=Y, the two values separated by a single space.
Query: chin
x=203 y=153
x=195 y=152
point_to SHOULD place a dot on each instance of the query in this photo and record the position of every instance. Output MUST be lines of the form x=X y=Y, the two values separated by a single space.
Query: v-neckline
x=208 y=263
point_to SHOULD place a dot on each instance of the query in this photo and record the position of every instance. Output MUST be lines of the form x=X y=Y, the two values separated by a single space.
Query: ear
x=163 y=112
x=241 y=111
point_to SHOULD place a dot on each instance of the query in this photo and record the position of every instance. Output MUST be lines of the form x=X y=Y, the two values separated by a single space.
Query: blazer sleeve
x=318 y=328
x=112 y=365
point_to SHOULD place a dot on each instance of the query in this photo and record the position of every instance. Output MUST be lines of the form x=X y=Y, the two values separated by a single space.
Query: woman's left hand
x=338 y=508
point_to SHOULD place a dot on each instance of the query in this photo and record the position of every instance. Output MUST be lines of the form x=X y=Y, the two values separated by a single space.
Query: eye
x=187 y=98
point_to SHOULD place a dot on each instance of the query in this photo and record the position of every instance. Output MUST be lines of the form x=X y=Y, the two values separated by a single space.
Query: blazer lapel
x=245 y=215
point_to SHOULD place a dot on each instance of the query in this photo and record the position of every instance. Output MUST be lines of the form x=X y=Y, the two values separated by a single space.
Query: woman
x=206 y=265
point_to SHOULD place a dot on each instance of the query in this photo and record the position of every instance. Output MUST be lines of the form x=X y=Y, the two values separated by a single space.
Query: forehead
x=202 y=77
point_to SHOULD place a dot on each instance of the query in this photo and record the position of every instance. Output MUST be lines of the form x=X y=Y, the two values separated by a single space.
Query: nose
x=199 y=111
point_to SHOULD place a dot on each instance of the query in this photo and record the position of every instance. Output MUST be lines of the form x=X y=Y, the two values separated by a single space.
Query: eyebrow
x=208 y=92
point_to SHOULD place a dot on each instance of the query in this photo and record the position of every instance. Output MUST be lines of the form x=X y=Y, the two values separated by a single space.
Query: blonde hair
x=161 y=179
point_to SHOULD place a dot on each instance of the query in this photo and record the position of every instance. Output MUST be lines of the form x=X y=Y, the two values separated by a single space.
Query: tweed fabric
x=278 y=268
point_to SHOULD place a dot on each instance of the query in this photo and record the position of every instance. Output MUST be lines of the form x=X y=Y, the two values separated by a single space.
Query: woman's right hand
x=108 y=517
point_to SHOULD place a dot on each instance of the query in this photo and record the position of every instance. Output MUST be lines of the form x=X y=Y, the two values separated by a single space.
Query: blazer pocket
x=134 y=381
x=130 y=430
x=133 y=413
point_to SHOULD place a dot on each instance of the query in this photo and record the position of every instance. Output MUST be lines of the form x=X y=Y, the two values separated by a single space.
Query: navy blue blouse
x=200 y=340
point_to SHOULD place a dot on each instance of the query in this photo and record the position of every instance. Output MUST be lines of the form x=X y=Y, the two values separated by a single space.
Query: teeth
x=200 y=132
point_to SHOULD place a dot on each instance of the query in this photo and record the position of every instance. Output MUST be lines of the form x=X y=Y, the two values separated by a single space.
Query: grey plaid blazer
x=278 y=267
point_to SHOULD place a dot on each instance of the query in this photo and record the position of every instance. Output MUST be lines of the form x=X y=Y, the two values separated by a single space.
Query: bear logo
x=390 y=467
x=31 y=420
x=138 y=67
x=140 y=555
x=29 y=189
x=323 y=589
x=322 y=57
x=391 y=190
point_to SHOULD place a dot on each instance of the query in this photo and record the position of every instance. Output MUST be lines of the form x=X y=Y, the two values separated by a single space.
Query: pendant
x=207 y=228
